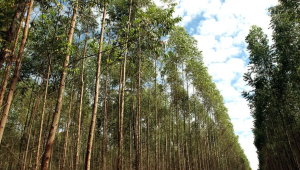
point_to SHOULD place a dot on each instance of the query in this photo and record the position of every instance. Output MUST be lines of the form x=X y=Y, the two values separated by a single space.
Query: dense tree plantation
x=274 y=77
x=116 y=84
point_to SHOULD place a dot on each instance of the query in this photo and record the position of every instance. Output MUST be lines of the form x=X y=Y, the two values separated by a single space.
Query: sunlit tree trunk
x=156 y=147
x=68 y=123
x=148 y=133
x=120 y=128
x=42 y=116
x=16 y=73
x=80 y=105
x=56 y=115
x=44 y=104
x=104 y=147
x=188 y=148
x=31 y=123
x=94 y=114
x=138 y=109
x=131 y=125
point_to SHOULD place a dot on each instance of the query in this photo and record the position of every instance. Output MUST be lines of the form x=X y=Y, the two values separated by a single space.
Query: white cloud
x=238 y=109
x=226 y=42
x=214 y=51
x=227 y=26
x=186 y=19
x=221 y=31
x=243 y=126
x=240 y=85
x=190 y=7
x=246 y=140
x=226 y=72
x=206 y=41
x=228 y=92
x=214 y=8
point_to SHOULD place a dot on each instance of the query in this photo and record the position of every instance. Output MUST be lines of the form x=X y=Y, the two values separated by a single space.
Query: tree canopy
x=110 y=84
x=274 y=77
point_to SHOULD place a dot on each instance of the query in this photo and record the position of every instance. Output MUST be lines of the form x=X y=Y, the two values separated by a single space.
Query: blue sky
x=220 y=27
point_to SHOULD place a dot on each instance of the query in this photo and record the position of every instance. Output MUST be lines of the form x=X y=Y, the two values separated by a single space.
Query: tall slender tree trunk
x=172 y=148
x=69 y=112
x=156 y=148
x=94 y=115
x=138 y=109
x=295 y=161
x=68 y=124
x=9 y=64
x=5 y=81
x=80 y=105
x=99 y=146
x=131 y=125
x=32 y=145
x=120 y=129
x=16 y=73
x=141 y=141
x=170 y=138
x=166 y=134
x=48 y=122
x=188 y=148
x=44 y=104
x=159 y=145
x=119 y=98
x=42 y=116
x=177 y=117
x=111 y=131
x=31 y=123
x=148 y=133
x=56 y=115
x=104 y=147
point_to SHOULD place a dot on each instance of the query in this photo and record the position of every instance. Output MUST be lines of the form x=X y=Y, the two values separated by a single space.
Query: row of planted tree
x=274 y=76
x=129 y=93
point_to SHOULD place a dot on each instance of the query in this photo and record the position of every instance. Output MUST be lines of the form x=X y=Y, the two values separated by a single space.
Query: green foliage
x=7 y=10
x=194 y=128
x=274 y=100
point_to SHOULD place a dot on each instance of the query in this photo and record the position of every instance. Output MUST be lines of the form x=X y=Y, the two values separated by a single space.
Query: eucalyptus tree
x=139 y=120
x=88 y=22
x=274 y=78
x=93 y=121
x=56 y=115
x=10 y=34
x=16 y=73
x=8 y=10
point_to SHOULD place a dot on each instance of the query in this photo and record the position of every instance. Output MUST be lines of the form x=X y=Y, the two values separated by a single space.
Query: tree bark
x=68 y=123
x=10 y=33
x=16 y=74
x=131 y=125
x=120 y=133
x=56 y=115
x=156 y=148
x=12 y=57
x=31 y=123
x=138 y=109
x=44 y=105
x=80 y=106
x=148 y=133
x=104 y=147
x=42 y=118
x=94 y=115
